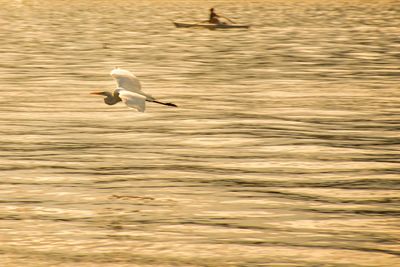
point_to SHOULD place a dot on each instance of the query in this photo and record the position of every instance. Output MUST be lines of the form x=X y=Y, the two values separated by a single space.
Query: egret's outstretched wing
x=125 y=79
x=133 y=100
x=128 y=81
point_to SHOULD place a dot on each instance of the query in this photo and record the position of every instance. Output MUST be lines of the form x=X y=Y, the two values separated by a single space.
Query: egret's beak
x=96 y=93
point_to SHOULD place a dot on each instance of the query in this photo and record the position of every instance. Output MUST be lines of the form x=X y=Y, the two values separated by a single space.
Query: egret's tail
x=166 y=104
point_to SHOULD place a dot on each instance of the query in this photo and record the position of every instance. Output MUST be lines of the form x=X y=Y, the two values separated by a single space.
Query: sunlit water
x=284 y=150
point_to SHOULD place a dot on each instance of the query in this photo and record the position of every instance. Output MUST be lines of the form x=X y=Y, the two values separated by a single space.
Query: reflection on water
x=283 y=151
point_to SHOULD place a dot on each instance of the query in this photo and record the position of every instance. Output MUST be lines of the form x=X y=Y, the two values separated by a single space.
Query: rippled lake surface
x=284 y=150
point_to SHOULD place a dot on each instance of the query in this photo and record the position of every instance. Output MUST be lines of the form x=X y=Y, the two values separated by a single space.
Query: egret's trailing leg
x=163 y=103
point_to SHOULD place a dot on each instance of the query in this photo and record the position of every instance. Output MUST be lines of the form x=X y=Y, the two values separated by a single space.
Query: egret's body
x=129 y=91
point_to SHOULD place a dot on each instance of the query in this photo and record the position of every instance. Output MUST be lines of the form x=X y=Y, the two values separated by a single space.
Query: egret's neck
x=111 y=99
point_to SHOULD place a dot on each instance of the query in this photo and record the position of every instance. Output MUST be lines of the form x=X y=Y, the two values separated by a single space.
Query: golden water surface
x=284 y=150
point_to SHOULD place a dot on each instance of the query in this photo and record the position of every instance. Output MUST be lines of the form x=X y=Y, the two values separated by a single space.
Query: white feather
x=128 y=81
x=132 y=100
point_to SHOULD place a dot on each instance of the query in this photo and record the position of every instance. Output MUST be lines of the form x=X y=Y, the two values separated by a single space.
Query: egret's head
x=109 y=99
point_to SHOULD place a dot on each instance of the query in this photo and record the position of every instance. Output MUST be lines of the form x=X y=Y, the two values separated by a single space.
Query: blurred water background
x=284 y=150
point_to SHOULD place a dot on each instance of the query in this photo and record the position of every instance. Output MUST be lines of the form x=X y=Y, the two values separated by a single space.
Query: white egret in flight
x=128 y=91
